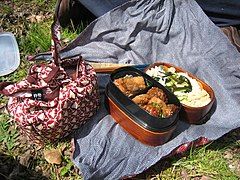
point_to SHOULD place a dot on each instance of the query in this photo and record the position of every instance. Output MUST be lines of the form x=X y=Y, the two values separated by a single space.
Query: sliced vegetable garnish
x=187 y=89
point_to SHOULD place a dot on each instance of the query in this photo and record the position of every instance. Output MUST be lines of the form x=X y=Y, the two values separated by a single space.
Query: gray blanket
x=143 y=32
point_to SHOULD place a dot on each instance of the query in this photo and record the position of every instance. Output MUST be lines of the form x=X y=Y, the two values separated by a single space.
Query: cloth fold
x=143 y=32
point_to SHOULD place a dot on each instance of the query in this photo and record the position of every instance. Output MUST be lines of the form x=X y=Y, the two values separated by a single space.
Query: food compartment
x=195 y=95
x=154 y=101
x=130 y=82
x=138 y=110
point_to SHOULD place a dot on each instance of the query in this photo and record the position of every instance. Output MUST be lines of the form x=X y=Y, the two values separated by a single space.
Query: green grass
x=8 y=134
x=38 y=39
x=205 y=162
x=5 y=9
x=32 y=39
x=44 y=5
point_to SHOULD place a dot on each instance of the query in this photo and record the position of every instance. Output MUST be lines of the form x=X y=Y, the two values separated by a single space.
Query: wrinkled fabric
x=100 y=7
x=221 y=12
x=143 y=32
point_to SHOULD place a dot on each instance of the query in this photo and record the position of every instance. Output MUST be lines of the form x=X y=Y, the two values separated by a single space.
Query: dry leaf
x=228 y=155
x=238 y=168
x=3 y=107
x=63 y=147
x=25 y=158
x=184 y=175
x=39 y=18
x=205 y=178
x=53 y=156
x=31 y=18
x=35 y=18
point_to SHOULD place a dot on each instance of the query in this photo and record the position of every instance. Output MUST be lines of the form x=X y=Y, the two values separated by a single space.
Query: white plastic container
x=9 y=53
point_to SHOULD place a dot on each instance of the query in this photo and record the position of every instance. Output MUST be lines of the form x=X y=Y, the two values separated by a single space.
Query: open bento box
x=196 y=96
x=148 y=108
x=135 y=110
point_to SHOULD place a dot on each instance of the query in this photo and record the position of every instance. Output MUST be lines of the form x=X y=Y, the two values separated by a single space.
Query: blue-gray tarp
x=146 y=31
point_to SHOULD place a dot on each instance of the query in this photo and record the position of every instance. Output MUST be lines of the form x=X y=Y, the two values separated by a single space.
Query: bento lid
x=9 y=53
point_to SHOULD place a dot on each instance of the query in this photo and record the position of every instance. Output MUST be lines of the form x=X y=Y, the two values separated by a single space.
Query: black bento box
x=139 y=123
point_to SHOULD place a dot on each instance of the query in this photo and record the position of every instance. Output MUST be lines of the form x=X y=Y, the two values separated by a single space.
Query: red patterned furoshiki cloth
x=62 y=103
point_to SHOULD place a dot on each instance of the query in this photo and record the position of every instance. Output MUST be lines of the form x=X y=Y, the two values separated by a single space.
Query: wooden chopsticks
x=110 y=67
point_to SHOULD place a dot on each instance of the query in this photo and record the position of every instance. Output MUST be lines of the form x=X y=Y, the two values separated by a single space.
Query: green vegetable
x=175 y=82
x=159 y=106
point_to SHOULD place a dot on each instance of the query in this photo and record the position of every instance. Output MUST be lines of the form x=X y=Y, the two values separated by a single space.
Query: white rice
x=198 y=97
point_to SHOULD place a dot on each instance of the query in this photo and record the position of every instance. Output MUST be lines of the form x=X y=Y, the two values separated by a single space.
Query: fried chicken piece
x=153 y=110
x=130 y=85
x=155 y=106
x=157 y=101
x=141 y=99
x=169 y=110
x=156 y=92
x=134 y=84
x=120 y=84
